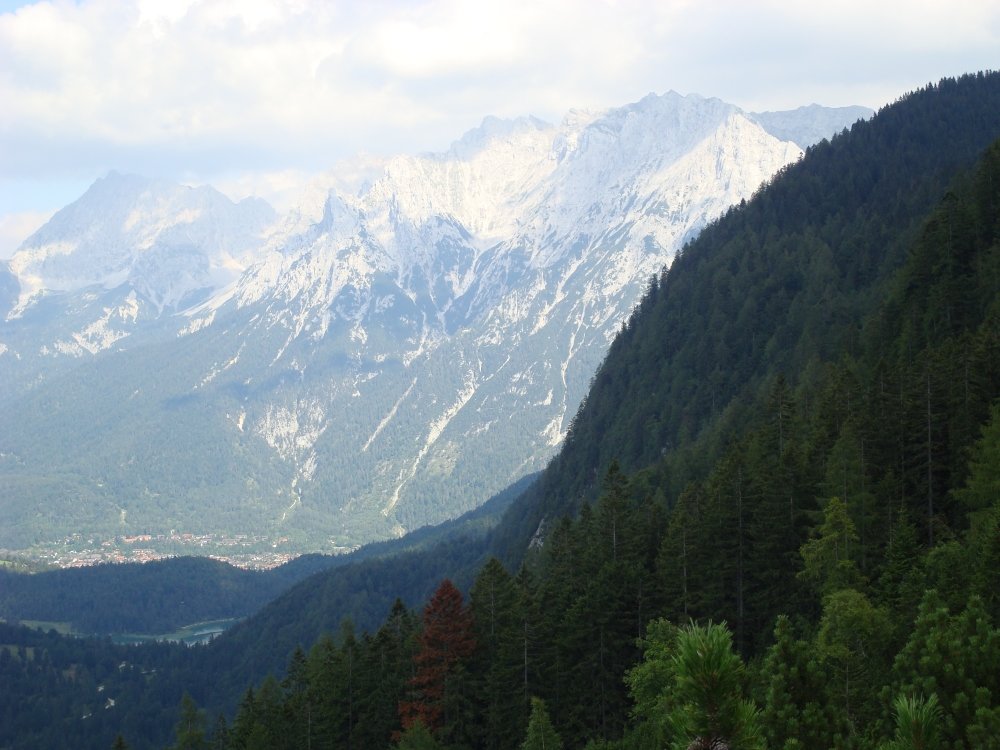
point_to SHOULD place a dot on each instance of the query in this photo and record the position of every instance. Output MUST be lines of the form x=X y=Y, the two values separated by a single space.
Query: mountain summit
x=391 y=355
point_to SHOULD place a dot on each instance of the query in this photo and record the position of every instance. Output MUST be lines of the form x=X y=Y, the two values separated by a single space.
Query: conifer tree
x=190 y=730
x=829 y=558
x=445 y=644
x=272 y=729
x=982 y=488
x=528 y=641
x=711 y=711
x=651 y=684
x=851 y=645
x=221 y=735
x=245 y=720
x=796 y=706
x=901 y=584
x=322 y=719
x=417 y=737
x=957 y=658
x=541 y=735
x=678 y=563
x=298 y=698
x=498 y=661
x=917 y=724
x=386 y=668
x=775 y=499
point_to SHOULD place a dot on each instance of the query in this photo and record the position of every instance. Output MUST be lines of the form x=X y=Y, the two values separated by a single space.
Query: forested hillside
x=781 y=285
x=775 y=523
x=847 y=537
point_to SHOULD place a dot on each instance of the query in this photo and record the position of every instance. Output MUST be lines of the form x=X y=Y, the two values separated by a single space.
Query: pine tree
x=221 y=735
x=386 y=668
x=323 y=676
x=776 y=499
x=298 y=699
x=245 y=721
x=829 y=558
x=985 y=542
x=902 y=581
x=711 y=711
x=982 y=488
x=677 y=564
x=918 y=722
x=529 y=624
x=272 y=729
x=957 y=658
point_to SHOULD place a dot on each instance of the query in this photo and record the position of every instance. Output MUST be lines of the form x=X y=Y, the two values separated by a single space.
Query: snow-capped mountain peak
x=414 y=335
x=491 y=129
x=165 y=240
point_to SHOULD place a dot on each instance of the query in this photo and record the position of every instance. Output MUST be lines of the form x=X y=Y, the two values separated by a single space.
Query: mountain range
x=416 y=334
x=791 y=446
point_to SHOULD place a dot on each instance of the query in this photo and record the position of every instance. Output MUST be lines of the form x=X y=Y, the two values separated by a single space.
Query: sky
x=254 y=97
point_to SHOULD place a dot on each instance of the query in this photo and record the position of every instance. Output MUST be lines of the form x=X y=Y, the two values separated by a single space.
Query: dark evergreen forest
x=775 y=523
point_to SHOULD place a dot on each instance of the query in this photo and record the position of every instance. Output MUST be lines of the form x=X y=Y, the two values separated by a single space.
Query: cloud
x=17 y=227
x=198 y=89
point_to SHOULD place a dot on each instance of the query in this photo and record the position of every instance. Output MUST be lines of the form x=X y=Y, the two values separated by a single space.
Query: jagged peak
x=491 y=129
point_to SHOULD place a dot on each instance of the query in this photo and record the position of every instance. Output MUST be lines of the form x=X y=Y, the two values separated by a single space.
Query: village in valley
x=250 y=551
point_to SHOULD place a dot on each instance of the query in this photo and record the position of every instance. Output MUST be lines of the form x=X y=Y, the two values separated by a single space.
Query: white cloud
x=201 y=90
x=15 y=228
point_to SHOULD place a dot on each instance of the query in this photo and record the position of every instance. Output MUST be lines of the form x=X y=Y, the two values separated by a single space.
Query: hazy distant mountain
x=398 y=348
x=808 y=125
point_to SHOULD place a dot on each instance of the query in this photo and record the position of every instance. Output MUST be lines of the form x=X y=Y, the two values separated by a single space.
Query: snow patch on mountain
x=388 y=417
x=99 y=335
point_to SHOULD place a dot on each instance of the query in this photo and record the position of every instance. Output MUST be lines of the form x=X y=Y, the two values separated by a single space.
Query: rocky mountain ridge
x=388 y=354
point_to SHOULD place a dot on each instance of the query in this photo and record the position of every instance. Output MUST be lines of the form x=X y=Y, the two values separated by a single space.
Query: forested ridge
x=780 y=285
x=776 y=521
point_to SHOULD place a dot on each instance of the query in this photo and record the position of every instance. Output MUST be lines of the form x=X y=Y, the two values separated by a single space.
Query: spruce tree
x=498 y=660
x=190 y=729
x=541 y=735
x=851 y=645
